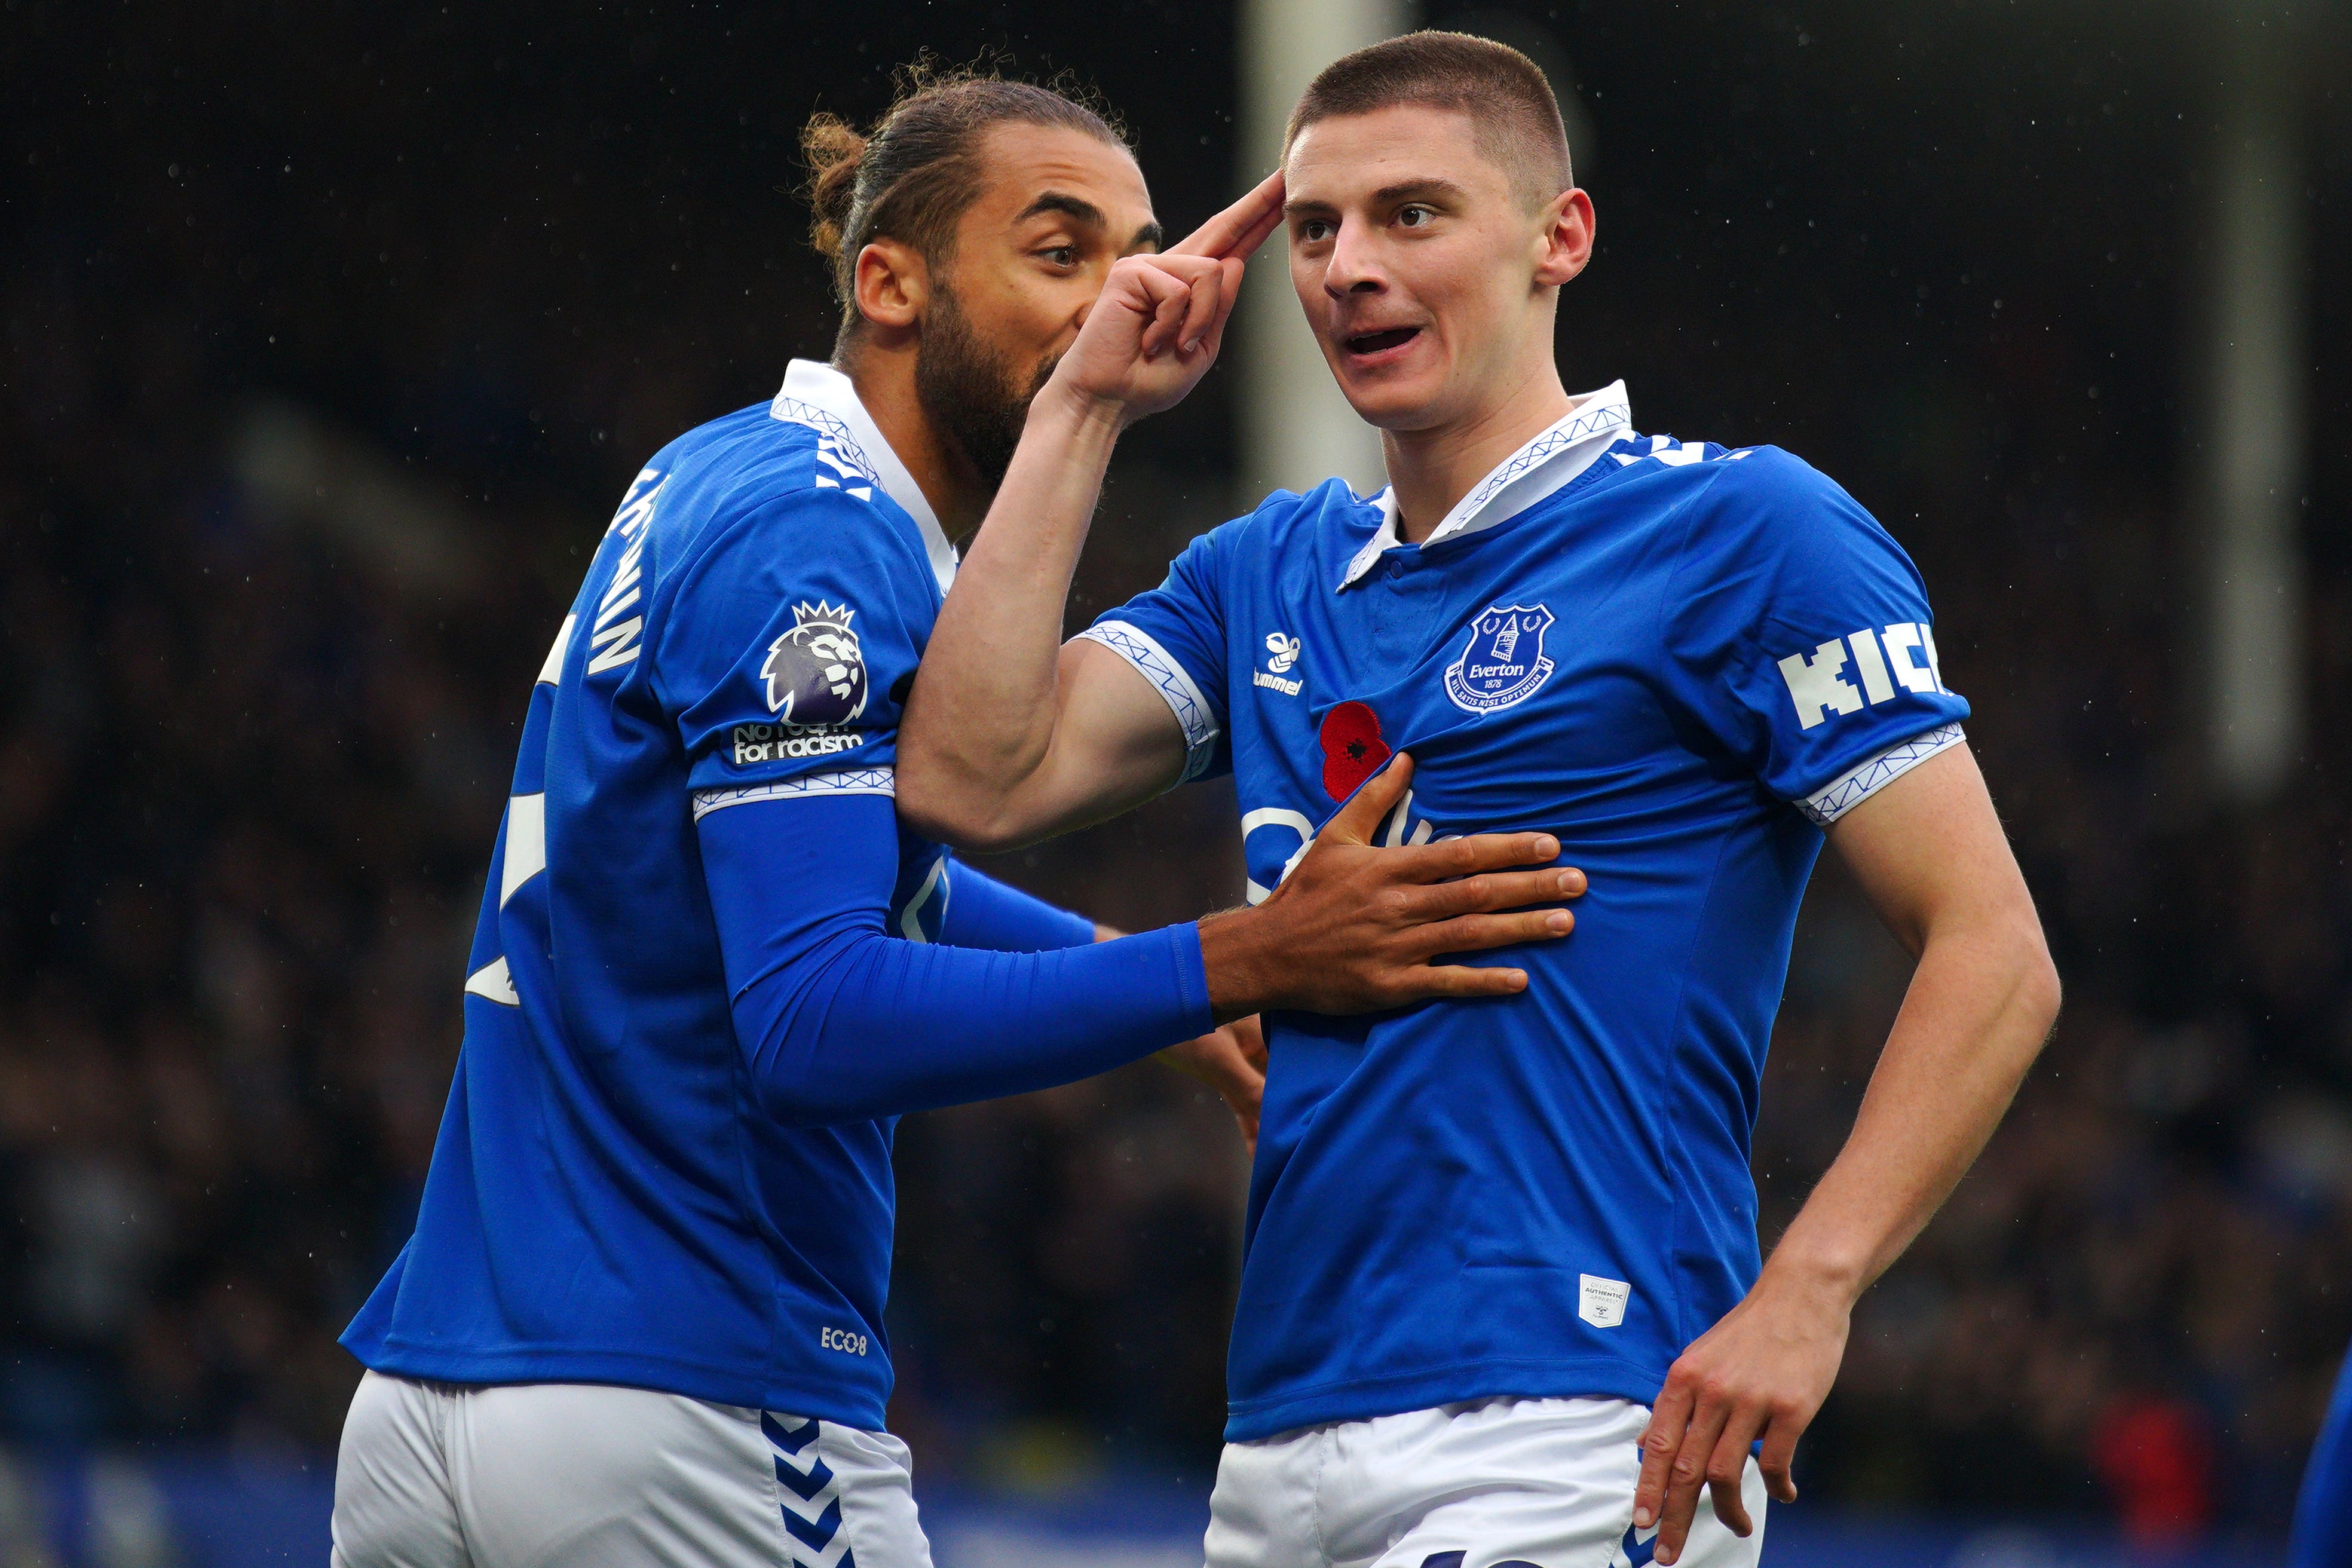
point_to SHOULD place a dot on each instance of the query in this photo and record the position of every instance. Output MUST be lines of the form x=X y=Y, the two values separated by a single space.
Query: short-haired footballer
x=641 y=1318
x=1502 y=1301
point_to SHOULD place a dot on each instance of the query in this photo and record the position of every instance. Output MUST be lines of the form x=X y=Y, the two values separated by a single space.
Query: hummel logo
x=1282 y=652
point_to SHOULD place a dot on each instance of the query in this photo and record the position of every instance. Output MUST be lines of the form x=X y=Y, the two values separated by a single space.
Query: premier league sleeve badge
x=816 y=672
x=1503 y=662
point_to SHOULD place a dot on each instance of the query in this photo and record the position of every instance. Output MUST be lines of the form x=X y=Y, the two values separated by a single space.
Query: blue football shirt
x=614 y=1196
x=1682 y=661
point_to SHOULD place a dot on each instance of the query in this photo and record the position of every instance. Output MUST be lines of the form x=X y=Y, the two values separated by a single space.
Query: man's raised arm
x=1009 y=736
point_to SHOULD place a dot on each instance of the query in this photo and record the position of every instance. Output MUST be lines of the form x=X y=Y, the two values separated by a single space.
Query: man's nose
x=1353 y=269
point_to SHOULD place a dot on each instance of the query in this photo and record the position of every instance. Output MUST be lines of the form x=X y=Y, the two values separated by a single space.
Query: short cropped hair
x=1513 y=118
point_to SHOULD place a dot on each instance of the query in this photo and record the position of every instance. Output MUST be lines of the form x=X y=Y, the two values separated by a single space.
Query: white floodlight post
x=2250 y=454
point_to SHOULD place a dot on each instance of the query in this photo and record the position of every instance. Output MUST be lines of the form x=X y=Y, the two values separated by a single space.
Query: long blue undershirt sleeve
x=841 y=1021
x=984 y=912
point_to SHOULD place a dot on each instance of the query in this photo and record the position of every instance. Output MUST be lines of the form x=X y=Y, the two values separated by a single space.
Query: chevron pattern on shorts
x=811 y=1493
x=1636 y=1550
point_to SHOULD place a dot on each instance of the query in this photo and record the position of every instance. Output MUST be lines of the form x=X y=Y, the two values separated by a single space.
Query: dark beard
x=967 y=389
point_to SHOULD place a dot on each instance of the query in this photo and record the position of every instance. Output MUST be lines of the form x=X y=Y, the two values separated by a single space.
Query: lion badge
x=816 y=672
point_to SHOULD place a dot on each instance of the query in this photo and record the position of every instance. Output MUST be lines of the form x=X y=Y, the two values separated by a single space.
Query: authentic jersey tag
x=1600 y=1301
x=1503 y=662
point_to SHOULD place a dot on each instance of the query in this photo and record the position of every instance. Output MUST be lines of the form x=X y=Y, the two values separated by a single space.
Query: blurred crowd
x=252 y=759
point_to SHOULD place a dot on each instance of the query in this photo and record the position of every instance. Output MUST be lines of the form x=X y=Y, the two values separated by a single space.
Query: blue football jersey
x=606 y=1200
x=1683 y=661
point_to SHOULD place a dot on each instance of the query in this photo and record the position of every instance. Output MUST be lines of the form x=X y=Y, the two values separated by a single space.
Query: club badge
x=816 y=672
x=1503 y=662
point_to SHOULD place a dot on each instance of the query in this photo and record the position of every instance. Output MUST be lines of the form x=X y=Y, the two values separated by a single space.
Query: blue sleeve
x=841 y=1021
x=985 y=913
x=1174 y=635
x=2322 y=1508
x=789 y=630
x=1798 y=632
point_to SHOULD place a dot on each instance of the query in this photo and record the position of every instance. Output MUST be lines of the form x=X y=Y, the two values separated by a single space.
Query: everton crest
x=1504 y=662
x=816 y=672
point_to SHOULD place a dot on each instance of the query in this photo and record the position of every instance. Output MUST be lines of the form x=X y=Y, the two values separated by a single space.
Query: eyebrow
x=1086 y=213
x=1077 y=208
x=1387 y=196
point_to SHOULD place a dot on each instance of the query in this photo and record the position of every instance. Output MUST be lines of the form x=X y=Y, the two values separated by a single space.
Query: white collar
x=1542 y=467
x=822 y=398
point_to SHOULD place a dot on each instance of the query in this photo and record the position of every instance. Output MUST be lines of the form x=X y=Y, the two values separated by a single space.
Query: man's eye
x=1314 y=231
x=1062 y=255
x=1415 y=217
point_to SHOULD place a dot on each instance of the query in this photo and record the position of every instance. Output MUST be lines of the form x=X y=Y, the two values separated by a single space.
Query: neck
x=884 y=376
x=1431 y=470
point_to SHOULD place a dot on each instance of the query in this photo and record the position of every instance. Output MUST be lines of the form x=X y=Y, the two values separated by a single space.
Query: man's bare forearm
x=1929 y=853
x=979 y=761
x=1980 y=1005
x=981 y=719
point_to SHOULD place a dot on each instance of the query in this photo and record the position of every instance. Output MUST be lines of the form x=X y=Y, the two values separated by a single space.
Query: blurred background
x=333 y=334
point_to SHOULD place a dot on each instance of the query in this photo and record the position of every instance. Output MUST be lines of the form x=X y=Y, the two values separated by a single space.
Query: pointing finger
x=1242 y=228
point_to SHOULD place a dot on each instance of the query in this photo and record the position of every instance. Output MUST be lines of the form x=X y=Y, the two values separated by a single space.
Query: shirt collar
x=822 y=398
x=1544 y=464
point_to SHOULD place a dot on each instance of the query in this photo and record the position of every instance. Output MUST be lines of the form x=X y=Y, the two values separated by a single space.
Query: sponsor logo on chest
x=1503 y=663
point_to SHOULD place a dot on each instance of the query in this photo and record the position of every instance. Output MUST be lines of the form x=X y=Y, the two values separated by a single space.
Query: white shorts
x=1500 y=1483
x=538 y=1474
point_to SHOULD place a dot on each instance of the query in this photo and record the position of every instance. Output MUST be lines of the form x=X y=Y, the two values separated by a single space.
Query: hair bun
x=833 y=152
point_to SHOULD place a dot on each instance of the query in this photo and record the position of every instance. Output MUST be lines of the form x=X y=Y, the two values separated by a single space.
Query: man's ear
x=890 y=285
x=1564 y=243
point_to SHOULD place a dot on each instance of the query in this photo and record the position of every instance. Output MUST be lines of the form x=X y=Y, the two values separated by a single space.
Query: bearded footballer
x=641 y=1319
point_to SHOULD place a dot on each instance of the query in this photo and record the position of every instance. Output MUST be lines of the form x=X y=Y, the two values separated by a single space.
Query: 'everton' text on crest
x=1503 y=662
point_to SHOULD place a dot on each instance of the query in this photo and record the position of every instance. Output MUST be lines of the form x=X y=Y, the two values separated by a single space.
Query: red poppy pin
x=1352 y=748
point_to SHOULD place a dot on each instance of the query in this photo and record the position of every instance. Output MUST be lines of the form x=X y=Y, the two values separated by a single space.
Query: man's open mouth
x=1376 y=342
